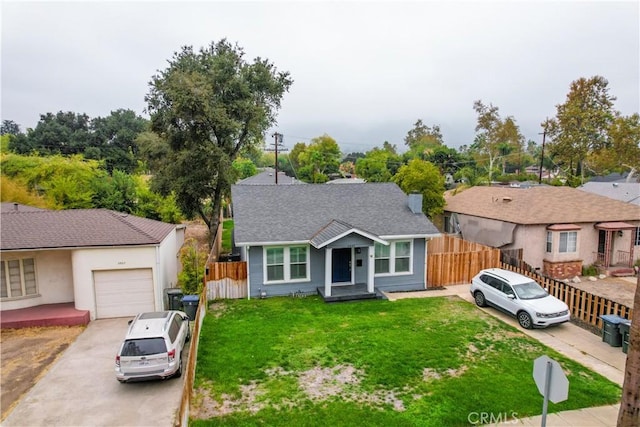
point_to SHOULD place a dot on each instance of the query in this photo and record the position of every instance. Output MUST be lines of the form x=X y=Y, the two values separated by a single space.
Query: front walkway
x=568 y=339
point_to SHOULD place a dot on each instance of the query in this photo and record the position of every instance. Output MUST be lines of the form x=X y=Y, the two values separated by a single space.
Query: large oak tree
x=209 y=105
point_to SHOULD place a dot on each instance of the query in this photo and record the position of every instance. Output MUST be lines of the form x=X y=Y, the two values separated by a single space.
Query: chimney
x=415 y=203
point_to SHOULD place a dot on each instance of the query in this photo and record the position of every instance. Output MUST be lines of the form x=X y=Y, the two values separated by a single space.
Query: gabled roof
x=539 y=205
x=272 y=214
x=336 y=230
x=73 y=228
x=628 y=192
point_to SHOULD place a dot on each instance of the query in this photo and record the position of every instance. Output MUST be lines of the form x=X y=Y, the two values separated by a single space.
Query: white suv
x=153 y=346
x=520 y=296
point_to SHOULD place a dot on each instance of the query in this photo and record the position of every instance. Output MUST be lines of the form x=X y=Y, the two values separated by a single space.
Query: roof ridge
x=120 y=216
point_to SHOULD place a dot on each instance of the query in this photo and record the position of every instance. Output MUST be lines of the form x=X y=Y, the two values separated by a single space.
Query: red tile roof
x=46 y=229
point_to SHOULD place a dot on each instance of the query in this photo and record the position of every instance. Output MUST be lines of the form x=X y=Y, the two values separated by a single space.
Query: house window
x=18 y=278
x=549 y=241
x=286 y=264
x=637 y=241
x=396 y=258
x=568 y=240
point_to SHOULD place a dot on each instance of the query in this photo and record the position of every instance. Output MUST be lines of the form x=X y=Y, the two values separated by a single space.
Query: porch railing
x=623 y=258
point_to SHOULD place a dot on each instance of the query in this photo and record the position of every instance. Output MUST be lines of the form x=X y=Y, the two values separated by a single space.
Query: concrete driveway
x=80 y=389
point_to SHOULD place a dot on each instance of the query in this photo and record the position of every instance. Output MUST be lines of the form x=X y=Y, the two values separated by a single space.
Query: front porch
x=64 y=314
x=349 y=293
x=610 y=261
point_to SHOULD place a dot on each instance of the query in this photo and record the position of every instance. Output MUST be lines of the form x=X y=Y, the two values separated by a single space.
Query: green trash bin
x=190 y=305
x=624 y=327
x=173 y=300
x=610 y=330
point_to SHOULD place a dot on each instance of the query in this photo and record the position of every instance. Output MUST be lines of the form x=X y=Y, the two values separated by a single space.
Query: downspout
x=246 y=252
x=159 y=278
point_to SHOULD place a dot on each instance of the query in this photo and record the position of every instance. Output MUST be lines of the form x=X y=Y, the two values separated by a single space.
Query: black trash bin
x=173 y=300
x=610 y=330
x=190 y=305
x=624 y=327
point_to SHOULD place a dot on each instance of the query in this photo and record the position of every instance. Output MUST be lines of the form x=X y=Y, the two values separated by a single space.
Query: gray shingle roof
x=628 y=192
x=296 y=213
x=539 y=205
x=46 y=229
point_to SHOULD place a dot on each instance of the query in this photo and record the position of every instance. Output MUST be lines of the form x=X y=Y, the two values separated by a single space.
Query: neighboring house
x=628 y=192
x=268 y=177
x=109 y=263
x=558 y=229
x=305 y=237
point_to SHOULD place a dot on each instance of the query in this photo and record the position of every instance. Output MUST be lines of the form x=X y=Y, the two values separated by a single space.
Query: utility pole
x=544 y=135
x=277 y=144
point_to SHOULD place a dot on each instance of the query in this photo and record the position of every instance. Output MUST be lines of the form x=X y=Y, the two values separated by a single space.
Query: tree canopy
x=581 y=124
x=209 y=105
x=419 y=176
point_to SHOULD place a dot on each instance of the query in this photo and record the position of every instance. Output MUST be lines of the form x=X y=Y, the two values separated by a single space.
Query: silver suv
x=153 y=346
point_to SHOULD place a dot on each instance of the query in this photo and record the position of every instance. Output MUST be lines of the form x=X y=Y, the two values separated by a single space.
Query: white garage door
x=122 y=293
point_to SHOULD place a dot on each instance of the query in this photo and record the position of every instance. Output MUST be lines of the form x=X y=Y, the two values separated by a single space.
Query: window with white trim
x=18 y=278
x=568 y=241
x=395 y=258
x=549 y=241
x=286 y=264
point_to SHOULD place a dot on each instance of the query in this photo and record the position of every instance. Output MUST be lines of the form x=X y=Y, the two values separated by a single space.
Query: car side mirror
x=511 y=296
x=130 y=321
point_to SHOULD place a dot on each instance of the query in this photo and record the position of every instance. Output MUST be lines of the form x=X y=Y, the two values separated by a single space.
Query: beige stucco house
x=109 y=263
x=557 y=229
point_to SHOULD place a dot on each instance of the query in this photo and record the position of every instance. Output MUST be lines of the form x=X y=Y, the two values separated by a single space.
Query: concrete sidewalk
x=569 y=340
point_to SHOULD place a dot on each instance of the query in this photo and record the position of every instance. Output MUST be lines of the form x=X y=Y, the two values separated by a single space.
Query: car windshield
x=144 y=347
x=529 y=290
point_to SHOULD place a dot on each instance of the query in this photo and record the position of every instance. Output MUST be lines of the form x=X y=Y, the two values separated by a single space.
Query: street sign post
x=551 y=381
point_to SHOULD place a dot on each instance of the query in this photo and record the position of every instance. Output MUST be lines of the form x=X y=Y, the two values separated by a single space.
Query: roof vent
x=506 y=199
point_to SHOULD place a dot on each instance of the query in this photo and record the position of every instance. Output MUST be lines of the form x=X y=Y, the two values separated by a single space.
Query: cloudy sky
x=363 y=72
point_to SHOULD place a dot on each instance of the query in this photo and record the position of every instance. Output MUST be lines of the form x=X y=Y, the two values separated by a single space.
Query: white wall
x=53 y=276
x=85 y=261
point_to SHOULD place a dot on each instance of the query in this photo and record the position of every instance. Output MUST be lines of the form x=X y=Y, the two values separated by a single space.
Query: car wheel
x=525 y=320
x=178 y=373
x=480 y=301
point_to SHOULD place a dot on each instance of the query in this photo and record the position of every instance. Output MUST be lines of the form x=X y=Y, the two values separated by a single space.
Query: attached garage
x=122 y=293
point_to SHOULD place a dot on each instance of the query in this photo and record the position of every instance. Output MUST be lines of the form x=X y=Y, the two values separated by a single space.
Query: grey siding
x=351 y=240
x=413 y=282
x=256 y=274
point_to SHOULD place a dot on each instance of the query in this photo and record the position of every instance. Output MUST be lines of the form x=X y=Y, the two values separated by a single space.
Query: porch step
x=348 y=293
x=44 y=315
x=623 y=272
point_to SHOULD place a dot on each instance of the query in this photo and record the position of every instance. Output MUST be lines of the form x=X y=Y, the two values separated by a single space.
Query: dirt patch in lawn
x=317 y=384
x=26 y=356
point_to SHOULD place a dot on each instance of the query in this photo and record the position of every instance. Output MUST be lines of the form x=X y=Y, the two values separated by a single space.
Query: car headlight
x=552 y=315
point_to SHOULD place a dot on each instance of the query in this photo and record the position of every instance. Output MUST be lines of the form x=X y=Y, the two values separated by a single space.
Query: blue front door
x=341 y=265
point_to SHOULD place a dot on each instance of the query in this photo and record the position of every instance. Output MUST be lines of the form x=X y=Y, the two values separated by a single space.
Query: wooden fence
x=182 y=419
x=583 y=305
x=226 y=280
x=452 y=261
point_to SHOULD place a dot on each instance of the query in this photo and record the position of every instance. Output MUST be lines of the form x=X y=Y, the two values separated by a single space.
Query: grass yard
x=227 y=230
x=412 y=362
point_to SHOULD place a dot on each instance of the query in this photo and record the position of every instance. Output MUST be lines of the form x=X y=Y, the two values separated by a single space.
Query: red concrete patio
x=63 y=314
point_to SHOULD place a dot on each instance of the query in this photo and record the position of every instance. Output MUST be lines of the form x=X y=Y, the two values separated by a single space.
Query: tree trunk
x=629 y=414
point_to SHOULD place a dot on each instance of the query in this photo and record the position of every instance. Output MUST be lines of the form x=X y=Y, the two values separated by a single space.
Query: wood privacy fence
x=182 y=419
x=452 y=261
x=583 y=305
x=226 y=280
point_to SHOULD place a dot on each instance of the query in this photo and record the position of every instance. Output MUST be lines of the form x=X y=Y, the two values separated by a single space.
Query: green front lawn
x=227 y=230
x=412 y=362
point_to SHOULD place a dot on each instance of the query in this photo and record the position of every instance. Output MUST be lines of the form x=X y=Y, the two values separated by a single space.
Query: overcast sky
x=363 y=72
